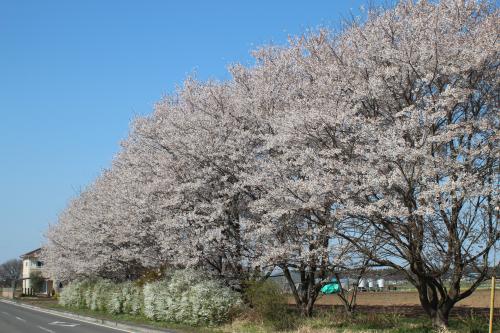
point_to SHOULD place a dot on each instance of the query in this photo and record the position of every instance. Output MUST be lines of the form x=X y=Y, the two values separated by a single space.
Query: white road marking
x=63 y=323
x=6 y=313
x=45 y=329
x=54 y=313
x=21 y=319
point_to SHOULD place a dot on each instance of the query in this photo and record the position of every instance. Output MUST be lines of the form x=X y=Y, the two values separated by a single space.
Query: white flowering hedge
x=75 y=295
x=185 y=297
x=126 y=298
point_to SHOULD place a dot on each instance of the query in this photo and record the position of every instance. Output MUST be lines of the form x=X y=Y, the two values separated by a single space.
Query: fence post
x=492 y=303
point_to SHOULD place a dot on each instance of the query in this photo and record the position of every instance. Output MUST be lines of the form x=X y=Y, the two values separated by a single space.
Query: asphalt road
x=16 y=319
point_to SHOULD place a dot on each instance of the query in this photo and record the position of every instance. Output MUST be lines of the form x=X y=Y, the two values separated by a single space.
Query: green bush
x=269 y=303
x=37 y=281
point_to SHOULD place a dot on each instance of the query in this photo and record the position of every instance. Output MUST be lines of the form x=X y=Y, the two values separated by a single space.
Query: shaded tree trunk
x=440 y=317
x=307 y=308
x=305 y=296
x=436 y=300
x=349 y=301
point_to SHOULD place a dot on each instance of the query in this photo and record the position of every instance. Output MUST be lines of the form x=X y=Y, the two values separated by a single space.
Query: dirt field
x=406 y=303
x=479 y=299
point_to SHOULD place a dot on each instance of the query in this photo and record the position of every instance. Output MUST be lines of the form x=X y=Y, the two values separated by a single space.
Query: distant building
x=33 y=265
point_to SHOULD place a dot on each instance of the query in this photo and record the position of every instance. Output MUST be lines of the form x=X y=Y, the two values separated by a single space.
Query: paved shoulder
x=17 y=318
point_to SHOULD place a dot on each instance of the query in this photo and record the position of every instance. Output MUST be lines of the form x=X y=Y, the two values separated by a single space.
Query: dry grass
x=332 y=320
x=479 y=299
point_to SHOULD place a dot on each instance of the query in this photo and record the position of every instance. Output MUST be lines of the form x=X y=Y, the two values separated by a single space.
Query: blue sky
x=73 y=74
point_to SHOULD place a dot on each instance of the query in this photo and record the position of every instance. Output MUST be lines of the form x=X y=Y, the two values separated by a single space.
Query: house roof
x=34 y=253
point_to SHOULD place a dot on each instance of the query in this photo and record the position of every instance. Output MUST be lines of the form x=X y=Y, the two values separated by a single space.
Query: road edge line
x=89 y=320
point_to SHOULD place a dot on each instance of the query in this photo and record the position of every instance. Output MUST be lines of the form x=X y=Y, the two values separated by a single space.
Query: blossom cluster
x=380 y=141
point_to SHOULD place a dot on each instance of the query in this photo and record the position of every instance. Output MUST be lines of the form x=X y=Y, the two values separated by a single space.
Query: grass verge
x=324 y=321
x=120 y=318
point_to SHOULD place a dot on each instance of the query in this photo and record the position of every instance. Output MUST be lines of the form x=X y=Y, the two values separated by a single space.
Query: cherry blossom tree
x=109 y=230
x=291 y=224
x=377 y=143
x=387 y=136
x=205 y=141
x=422 y=84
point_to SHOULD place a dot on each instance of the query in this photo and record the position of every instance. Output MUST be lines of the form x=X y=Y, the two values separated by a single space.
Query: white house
x=32 y=264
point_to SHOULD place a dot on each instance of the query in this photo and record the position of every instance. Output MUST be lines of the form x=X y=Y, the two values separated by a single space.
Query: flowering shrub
x=125 y=298
x=209 y=302
x=187 y=298
x=133 y=298
x=154 y=299
x=183 y=297
x=74 y=295
x=101 y=293
x=116 y=300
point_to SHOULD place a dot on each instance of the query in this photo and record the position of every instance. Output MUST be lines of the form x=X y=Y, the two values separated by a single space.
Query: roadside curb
x=90 y=320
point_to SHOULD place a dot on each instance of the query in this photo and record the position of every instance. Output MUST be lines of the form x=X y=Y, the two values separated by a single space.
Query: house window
x=39 y=264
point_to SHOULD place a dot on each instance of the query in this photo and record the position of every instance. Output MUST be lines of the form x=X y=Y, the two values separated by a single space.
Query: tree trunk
x=348 y=301
x=307 y=307
x=306 y=295
x=439 y=312
x=439 y=318
x=436 y=302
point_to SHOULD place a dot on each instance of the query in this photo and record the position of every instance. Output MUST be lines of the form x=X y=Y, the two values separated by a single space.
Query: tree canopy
x=378 y=142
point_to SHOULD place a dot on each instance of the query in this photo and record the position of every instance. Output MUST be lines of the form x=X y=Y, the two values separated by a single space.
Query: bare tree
x=10 y=272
